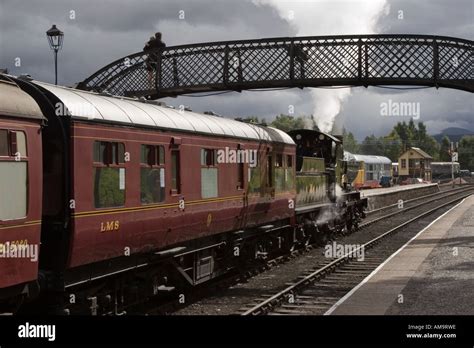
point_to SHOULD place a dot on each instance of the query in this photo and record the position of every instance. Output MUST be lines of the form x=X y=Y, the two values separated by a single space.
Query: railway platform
x=382 y=197
x=431 y=275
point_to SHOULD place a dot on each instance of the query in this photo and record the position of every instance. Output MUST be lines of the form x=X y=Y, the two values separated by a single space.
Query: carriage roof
x=91 y=106
x=14 y=102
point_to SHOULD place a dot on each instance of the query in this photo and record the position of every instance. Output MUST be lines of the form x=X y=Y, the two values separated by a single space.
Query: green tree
x=392 y=146
x=417 y=136
x=372 y=146
x=412 y=132
x=287 y=122
x=350 y=142
x=401 y=128
x=444 y=149
x=250 y=119
x=466 y=152
x=426 y=142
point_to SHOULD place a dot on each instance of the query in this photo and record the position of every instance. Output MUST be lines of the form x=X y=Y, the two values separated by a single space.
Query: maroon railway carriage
x=141 y=196
x=20 y=193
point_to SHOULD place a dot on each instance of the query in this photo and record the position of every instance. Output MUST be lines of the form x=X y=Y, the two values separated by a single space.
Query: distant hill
x=454 y=134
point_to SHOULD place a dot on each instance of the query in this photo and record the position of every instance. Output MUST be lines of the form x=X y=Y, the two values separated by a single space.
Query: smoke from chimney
x=329 y=17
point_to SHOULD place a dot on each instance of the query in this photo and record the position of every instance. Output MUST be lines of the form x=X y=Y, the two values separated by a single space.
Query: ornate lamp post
x=55 y=39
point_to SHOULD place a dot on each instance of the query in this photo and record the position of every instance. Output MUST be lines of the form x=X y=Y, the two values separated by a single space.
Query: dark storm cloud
x=136 y=15
x=105 y=30
x=439 y=108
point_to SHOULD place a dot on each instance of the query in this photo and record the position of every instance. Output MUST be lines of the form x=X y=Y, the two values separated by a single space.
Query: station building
x=415 y=163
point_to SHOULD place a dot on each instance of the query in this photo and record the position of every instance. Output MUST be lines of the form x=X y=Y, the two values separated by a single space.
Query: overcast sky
x=100 y=31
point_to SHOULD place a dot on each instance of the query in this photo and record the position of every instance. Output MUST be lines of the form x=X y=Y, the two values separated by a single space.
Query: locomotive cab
x=314 y=146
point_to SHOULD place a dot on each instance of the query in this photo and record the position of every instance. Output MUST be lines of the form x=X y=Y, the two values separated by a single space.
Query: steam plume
x=326 y=17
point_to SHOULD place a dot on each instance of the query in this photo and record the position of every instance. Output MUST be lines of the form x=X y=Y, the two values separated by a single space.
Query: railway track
x=318 y=288
x=193 y=295
x=219 y=285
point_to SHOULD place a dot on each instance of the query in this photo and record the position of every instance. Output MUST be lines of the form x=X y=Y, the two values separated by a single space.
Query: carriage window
x=20 y=143
x=109 y=187
x=109 y=174
x=269 y=171
x=14 y=196
x=145 y=154
x=12 y=143
x=152 y=155
x=3 y=142
x=254 y=179
x=240 y=167
x=99 y=151
x=289 y=175
x=209 y=174
x=279 y=160
x=240 y=176
x=208 y=157
x=152 y=174
x=280 y=174
x=161 y=155
x=109 y=152
x=175 y=172
x=119 y=152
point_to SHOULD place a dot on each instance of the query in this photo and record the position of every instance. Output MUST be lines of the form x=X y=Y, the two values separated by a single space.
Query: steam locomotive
x=107 y=201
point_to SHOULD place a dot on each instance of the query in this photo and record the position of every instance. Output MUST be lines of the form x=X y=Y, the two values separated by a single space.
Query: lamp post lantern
x=55 y=39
